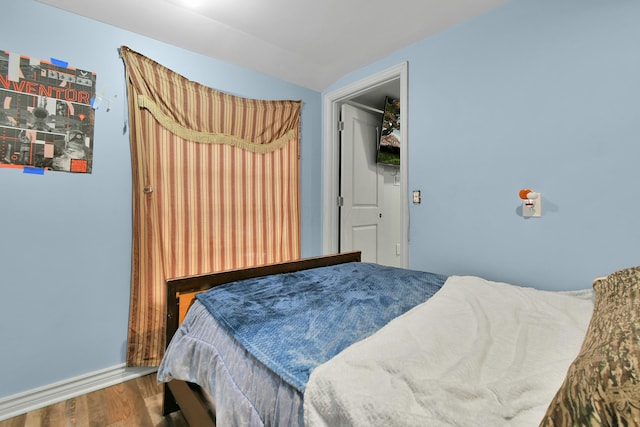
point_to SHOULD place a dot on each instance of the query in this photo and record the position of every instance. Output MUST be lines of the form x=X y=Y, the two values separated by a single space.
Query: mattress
x=510 y=347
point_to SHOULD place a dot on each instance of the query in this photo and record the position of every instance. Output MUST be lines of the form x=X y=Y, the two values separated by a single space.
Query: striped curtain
x=215 y=187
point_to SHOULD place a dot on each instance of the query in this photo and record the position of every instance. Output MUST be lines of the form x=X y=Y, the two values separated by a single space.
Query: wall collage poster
x=46 y=115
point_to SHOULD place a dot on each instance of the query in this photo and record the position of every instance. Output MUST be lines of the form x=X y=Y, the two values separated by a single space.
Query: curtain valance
x=199 y=113
x=210 y=137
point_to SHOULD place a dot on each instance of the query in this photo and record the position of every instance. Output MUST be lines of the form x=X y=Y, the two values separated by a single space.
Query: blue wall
x=540 y=94
x=537 y=93
x=65 y=240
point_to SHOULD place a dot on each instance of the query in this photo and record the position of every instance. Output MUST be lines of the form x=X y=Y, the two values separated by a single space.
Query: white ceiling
x=309 y=43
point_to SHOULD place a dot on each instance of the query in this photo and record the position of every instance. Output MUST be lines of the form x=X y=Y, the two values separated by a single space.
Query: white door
x=394 y=79
x=360 y=184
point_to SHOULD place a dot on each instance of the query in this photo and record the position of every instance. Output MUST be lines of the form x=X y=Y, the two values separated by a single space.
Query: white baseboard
x=37 y=398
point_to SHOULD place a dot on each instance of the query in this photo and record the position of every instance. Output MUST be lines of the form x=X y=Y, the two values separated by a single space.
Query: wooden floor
x=135 y=403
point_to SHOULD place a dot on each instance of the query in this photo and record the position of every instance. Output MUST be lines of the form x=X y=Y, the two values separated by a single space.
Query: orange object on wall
x=523 y=193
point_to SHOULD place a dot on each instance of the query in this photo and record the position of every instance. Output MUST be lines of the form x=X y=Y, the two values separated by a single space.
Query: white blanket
x=478 y=353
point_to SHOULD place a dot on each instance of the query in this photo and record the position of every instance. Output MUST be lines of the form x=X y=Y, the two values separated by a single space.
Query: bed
x=471 y=352
x=181 y=390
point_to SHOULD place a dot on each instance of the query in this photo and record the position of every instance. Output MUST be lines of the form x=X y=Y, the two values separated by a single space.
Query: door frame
x=331 y=157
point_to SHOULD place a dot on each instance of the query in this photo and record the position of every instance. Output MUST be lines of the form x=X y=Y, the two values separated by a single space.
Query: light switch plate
x=416 y=197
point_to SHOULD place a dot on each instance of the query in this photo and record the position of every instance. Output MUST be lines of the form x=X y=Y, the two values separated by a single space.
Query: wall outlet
x=532 y=208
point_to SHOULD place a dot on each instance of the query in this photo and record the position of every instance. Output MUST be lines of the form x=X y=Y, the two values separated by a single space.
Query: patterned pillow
x=602 y=385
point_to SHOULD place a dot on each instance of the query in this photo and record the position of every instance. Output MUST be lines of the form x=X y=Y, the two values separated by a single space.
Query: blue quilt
x=293 y=322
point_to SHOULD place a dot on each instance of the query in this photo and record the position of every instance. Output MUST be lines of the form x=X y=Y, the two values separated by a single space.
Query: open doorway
x=367 y=95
